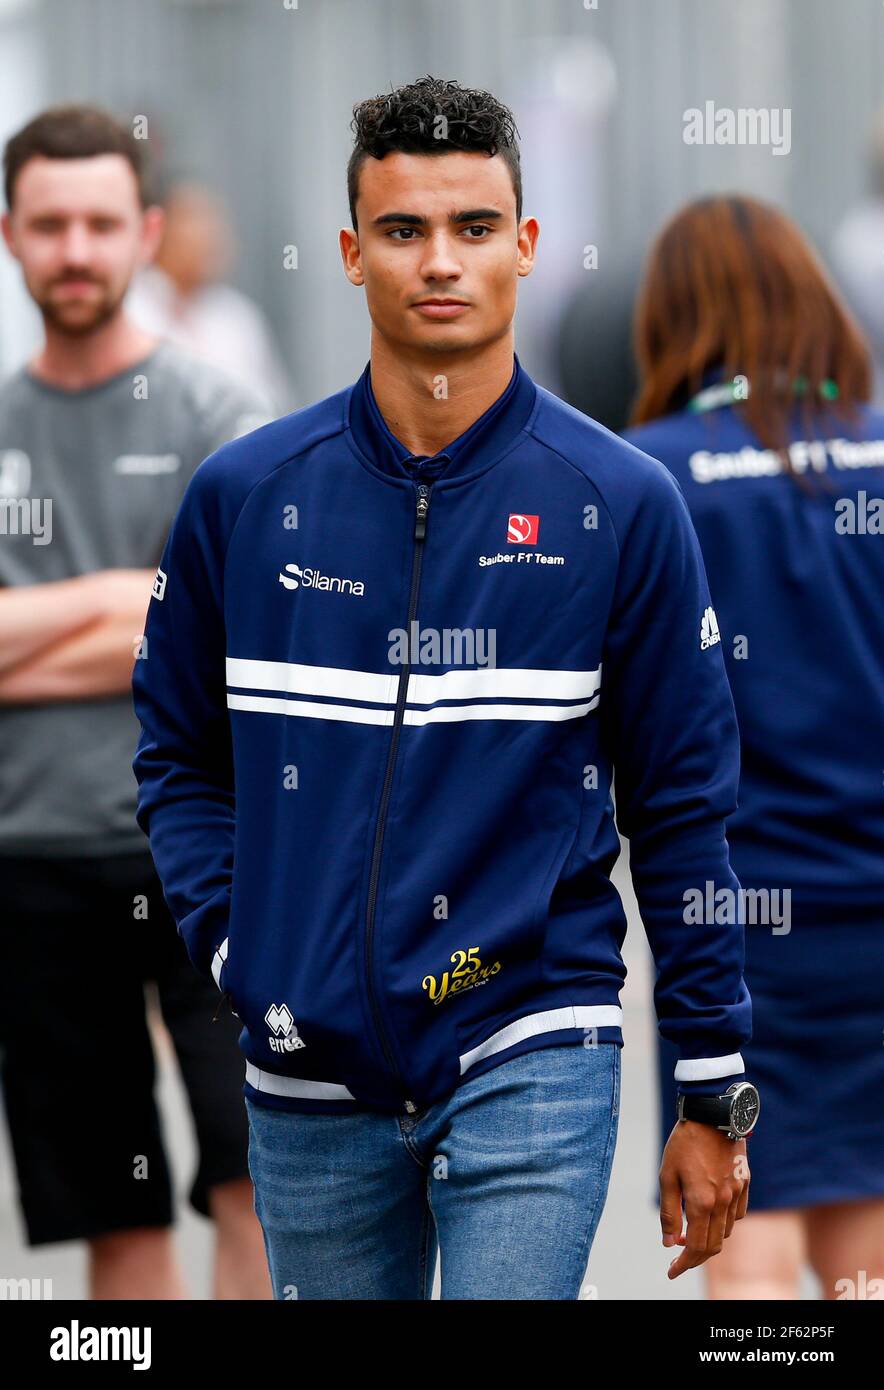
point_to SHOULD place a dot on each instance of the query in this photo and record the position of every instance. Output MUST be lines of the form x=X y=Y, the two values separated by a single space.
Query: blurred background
x=246 y=105
x=251 y=100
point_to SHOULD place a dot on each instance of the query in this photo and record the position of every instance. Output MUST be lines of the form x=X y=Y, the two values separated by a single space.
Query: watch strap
x=708 y=1110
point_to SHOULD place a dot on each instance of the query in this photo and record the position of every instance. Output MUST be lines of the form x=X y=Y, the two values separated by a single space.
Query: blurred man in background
x=99 y=434
x=182 y=296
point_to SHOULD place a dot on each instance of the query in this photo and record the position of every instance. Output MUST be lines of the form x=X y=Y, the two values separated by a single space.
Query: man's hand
x=711 y=1173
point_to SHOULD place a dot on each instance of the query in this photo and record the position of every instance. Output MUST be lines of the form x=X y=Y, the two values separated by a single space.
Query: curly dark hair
x=407 y=120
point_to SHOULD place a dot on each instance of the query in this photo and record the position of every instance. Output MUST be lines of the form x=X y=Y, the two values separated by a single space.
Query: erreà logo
x=293 y=577
x=522 y=529
x=709 y=633
x=279 y=1018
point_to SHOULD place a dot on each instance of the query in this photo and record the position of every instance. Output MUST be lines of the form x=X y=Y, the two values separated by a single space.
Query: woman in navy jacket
x=754 y=383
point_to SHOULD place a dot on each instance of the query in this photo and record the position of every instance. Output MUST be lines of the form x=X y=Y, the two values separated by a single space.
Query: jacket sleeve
x=183 y=763
x=671 y=731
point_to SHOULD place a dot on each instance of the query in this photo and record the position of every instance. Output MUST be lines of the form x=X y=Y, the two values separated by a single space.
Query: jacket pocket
x=221 y=976
x=219 y=964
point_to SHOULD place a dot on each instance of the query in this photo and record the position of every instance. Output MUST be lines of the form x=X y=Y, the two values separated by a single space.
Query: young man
x=446 y=607
x=99 y=434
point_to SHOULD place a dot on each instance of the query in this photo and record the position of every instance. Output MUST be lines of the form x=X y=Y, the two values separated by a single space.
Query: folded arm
x=73 y=639
x=75 y=642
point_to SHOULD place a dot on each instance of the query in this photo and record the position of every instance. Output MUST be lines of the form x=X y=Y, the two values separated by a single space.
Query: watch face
x=744 y=1109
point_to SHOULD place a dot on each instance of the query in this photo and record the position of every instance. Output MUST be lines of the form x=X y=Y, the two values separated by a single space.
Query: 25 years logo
x=469 y=972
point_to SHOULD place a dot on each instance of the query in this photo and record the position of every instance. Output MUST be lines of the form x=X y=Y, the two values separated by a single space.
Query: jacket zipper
x=422 y=507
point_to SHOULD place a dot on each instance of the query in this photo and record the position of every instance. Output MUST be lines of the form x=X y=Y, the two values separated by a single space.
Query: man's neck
x=428 y=400
x=76 y=362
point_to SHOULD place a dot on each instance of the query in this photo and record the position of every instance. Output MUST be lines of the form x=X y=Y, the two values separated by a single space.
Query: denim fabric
x=507 y=1177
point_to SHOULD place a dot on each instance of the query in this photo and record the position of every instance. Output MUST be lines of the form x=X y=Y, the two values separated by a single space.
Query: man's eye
x=408 y=230
x=477 y=227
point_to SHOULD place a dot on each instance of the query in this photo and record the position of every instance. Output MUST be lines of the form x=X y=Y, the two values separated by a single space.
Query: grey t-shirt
x=113 y=460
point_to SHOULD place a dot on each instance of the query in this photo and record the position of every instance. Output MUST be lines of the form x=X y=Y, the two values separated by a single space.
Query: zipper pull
x=423 y=506
x=410 y=1107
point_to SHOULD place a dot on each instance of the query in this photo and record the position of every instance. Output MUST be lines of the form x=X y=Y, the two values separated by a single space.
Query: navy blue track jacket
x=797 y=580
x=382 y=702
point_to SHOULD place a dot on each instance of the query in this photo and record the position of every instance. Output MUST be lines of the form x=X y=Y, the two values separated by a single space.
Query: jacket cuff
x=709 y=1076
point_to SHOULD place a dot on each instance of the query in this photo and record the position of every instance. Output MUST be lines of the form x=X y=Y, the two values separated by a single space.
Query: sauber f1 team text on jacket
x=382 y=701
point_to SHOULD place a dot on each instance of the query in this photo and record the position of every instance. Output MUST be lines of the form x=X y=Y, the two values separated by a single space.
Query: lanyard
x=726 y=392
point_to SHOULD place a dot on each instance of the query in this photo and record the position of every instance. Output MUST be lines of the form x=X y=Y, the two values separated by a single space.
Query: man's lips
x=440 y=308
x=75 y=286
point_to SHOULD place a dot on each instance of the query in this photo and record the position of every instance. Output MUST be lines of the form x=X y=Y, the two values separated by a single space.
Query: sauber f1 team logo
x=522 y=529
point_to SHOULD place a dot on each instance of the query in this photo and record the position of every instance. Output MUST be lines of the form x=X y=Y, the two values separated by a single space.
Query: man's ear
x=348 y=239
x=529 y=230
x=6 y=225
x=153 y=221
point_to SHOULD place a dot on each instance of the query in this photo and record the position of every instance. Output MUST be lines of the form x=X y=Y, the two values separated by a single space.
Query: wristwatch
x=736 y=1111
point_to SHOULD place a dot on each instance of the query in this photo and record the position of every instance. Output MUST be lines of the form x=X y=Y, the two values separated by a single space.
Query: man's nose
x=76 y=244
x=440 y=260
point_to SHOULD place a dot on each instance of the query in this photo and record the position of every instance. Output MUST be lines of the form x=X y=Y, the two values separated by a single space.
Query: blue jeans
x=507 y=1177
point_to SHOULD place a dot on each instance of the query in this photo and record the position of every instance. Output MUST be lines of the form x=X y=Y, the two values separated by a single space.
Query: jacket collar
x=472 y=452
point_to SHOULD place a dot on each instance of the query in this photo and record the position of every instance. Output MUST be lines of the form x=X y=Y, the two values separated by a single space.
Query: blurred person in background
x=754 y=388
x=594 y=349
x=182 y=296
x=858 y=258
x=99 y=434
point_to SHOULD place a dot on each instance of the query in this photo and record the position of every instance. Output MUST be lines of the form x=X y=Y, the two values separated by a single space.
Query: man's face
x=435 y=228
x=79 y=231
